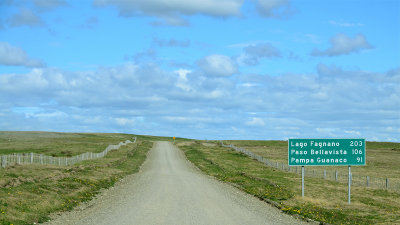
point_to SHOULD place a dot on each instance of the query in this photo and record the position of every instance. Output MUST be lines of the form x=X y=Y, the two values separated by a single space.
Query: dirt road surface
x=170 y=190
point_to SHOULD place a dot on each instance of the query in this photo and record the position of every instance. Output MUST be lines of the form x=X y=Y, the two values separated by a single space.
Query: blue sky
x=229 y=69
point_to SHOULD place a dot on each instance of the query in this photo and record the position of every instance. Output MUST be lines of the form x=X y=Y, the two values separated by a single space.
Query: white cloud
x=14 y=56
x=176 y=12
x=218 y=65
x=25 y=17
x=125 y=121
x=273 y=8
x=183 y=74
x=112 y=99
x=353 y=132
x=171 y=12
x=182 y=81
x=253 y=53
x=341 y=44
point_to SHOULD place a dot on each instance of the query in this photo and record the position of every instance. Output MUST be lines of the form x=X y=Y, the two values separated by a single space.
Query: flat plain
x=30 y=193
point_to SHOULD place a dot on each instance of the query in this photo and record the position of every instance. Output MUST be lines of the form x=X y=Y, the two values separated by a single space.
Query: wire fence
x=342 y=177
x=34 y=158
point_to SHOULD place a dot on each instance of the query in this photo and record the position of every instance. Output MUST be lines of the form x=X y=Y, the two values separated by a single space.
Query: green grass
x=325 y=201
x=29 y=193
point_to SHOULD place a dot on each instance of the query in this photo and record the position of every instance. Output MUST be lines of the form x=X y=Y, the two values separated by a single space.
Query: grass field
x=29 y=193
x=325 y=201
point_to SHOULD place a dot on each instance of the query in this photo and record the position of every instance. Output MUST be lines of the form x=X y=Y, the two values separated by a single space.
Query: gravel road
x=170 y=190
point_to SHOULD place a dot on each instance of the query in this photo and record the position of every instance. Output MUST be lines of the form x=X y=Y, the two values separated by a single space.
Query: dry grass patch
x=184 y=143
x=209 y=144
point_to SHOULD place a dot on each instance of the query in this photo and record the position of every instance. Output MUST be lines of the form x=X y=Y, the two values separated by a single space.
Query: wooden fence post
x=3 y=161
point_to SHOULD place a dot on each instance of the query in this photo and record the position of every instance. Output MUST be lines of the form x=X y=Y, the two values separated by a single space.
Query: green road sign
x=326 y=152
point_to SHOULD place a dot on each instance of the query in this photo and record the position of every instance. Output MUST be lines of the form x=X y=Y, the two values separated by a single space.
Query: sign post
x=174 y=139
x=302 y=181
x=349 y=181
x=326 y=152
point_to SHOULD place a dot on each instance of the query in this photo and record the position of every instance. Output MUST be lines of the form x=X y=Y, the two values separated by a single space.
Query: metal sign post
x=302 y=181
x=349 y=181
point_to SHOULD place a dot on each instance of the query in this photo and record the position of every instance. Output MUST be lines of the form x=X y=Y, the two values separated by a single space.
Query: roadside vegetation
x=382 y=158
x=325 y=201
x=30 y=193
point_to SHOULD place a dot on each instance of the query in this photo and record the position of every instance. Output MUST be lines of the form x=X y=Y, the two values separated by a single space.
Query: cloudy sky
x=227 y=69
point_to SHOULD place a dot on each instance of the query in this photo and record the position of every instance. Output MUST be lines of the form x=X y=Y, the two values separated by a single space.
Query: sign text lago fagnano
x=326 y=152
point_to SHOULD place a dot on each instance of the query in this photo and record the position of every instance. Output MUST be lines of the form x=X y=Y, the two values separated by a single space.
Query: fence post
x=336 y=175
x=3 y=161
x=367 y=181
x=31 y=158
x=387 y=183
x=324 y=174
